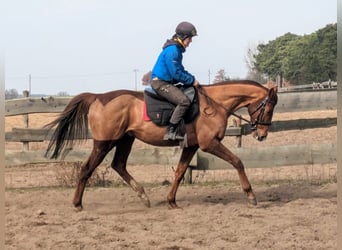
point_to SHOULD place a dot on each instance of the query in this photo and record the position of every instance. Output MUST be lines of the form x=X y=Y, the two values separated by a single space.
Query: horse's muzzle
x=259 y=137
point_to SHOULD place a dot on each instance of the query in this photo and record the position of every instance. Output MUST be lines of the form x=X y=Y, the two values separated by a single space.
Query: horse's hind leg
x=123 y=149
x=100 y=150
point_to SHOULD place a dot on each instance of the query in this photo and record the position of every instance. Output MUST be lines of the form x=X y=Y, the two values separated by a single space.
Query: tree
x=62 y=93
x=298 y=59
x=269 y=58
x=312 y=58
x=11 y=94
x=327 y=51
x=253 y=73
x=221 y=76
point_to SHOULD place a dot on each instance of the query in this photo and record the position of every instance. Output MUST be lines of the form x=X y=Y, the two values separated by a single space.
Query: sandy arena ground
x=297 y=205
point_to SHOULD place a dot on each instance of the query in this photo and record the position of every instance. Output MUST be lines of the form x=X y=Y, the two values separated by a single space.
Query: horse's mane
x=227 y=82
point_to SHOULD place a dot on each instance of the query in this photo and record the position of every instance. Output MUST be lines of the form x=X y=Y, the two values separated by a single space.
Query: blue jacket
x=169 y=65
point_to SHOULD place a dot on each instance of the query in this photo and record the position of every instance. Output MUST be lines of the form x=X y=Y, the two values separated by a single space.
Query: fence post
x=237 y=123
x=26 y=122
x=188 y=175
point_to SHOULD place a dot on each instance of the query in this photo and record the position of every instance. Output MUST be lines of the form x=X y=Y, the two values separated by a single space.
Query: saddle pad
x=145 y=115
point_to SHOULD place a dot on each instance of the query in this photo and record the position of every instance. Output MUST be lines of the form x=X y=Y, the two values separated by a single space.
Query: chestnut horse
x=116 y=119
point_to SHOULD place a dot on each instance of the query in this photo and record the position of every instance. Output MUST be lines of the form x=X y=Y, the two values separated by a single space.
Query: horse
x=116 y=119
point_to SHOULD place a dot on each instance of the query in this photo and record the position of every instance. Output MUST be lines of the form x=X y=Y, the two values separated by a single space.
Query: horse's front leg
x=183 y=164
x=218 y=149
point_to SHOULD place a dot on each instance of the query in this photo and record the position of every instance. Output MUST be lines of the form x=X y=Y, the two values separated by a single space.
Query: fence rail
x=31 y=105
x=39 y=135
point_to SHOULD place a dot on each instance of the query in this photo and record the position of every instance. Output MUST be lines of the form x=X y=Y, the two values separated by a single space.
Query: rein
x=253 y=125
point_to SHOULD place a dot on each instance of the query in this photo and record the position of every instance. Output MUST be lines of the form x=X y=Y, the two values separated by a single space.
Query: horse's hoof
x=78 y=208
x=173 y=205
x=145 y=200
x=147 y=203
x=252 y=201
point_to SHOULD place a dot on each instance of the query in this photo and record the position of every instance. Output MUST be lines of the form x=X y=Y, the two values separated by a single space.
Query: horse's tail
x=72 y=124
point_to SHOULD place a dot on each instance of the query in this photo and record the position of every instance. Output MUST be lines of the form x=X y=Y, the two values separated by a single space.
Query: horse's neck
x=233 y=98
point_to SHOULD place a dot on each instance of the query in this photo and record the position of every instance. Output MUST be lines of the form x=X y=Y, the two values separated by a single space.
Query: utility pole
x=29 y=84
x=135 y=79
x=209 y=75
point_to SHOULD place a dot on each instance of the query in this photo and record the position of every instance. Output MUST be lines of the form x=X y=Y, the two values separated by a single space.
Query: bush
x=67 y=175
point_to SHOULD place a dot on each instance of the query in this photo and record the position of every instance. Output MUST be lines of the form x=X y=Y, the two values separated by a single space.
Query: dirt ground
x=288 y=216
x=297 y=205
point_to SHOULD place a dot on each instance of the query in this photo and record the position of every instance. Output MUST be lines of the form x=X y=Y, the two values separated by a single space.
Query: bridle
x=259 y=119
x=253 y=124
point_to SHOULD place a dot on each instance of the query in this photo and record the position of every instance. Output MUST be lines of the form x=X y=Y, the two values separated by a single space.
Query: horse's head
x=261 y=113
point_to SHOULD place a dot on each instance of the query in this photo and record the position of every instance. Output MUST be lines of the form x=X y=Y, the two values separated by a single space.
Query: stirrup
x=173 y=137
x=169 y=136
x=171 y=133
x=179 y=137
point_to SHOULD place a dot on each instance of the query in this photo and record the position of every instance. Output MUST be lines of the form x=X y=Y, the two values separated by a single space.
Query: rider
x=168 y=74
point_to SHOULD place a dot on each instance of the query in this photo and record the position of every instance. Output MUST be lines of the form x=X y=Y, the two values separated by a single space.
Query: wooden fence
x=252 y=157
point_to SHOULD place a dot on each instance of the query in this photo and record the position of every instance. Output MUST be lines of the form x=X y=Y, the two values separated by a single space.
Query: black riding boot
x=171 y=133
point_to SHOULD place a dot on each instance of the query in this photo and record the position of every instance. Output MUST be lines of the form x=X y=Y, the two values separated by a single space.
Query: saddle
x=159 y=110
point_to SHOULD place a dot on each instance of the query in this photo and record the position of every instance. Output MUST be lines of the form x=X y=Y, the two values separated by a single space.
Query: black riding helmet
x=185 y=29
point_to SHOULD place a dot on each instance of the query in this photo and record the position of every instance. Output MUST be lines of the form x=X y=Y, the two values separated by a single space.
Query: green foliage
x=269 y=57
x=300 y=59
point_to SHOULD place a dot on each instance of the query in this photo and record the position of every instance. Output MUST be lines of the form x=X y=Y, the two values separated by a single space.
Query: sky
x=77 y=46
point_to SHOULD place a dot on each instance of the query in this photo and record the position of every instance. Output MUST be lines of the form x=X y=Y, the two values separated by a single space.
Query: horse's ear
x=272 y=94
x=273 y=90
